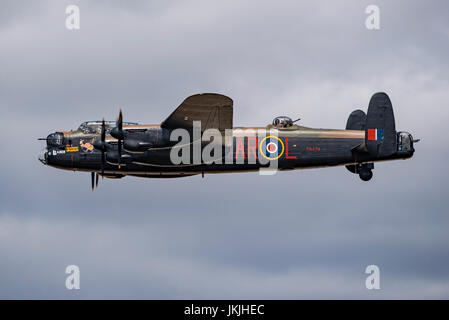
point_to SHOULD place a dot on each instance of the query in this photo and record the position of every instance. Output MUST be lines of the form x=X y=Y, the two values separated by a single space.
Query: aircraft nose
x=43 y=156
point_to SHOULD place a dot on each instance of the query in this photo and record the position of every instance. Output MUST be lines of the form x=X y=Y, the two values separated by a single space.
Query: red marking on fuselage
x=252 y=148
x=287 y=156
x=240 y=148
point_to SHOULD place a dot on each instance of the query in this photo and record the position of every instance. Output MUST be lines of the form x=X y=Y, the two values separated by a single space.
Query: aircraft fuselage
x=298 y=147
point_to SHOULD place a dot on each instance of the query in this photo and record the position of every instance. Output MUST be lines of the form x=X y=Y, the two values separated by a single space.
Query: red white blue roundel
x=271 y=147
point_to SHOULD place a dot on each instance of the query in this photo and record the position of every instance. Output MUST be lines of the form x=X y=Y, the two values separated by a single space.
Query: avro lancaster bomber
x=199 y=138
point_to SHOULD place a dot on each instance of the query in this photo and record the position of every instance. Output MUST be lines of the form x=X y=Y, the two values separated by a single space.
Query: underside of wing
x=212 y=109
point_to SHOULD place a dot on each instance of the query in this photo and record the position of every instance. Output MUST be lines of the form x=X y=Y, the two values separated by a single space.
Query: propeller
x=117 y=133
x=92 y=176
x=120 y=127
x=103 y=142
x=94 y=179
x=102 y=146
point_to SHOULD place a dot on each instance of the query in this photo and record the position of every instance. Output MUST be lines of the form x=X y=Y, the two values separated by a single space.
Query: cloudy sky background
x=302 y=234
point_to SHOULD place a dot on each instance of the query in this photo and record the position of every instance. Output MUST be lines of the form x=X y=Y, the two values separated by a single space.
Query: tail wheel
x=365 y=174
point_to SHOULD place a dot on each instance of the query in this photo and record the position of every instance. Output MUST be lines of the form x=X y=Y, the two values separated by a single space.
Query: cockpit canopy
x=55 y=139
x=282 y=122
x=94 y=127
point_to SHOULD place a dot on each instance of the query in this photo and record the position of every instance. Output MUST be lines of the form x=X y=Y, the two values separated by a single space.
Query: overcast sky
x=300 y=234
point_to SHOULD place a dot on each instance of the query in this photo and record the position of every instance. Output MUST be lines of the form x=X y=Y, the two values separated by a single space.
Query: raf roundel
x=271 y=148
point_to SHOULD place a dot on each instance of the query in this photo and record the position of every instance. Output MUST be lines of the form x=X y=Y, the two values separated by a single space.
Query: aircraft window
x=282 y=122
x=55 y=139
x=405 y=141
x=94 y=127
x=91 y=129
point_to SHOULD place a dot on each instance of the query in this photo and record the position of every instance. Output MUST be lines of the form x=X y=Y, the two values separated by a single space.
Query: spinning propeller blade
x=120 y=136
x=103 y=142
x=102 y=146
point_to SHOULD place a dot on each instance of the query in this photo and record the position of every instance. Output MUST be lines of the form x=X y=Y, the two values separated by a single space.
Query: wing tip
x=211 y=96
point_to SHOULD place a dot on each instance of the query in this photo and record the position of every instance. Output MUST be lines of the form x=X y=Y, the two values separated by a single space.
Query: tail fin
x=356 y=120
x=380 y=132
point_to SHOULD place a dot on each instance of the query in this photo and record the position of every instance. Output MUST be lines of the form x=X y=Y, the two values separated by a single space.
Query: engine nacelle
x=112 y=157
x=135 y=145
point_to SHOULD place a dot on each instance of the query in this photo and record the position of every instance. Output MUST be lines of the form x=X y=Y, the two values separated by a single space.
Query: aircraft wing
x=212 y=109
